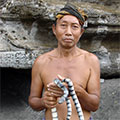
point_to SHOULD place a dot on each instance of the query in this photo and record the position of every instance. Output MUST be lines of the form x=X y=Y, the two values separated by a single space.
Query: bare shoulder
x=42 y=59
x=90 y=57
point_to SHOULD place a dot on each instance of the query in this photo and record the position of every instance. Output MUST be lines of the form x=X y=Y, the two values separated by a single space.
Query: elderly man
x=66 y=61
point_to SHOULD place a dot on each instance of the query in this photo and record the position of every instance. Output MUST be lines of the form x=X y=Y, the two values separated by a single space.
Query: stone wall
x=25 y=32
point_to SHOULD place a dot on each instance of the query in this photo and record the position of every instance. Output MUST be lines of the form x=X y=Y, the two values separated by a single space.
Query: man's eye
x=75 y=26
x=63 y=24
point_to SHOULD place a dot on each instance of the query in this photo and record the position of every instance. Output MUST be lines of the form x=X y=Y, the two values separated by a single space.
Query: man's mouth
x=68 y=39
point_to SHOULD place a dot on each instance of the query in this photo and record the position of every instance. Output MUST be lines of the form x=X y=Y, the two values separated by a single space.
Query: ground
x=110 y=101
x=13 y=107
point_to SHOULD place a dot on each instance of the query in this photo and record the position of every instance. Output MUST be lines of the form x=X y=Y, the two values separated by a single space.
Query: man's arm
x=35 y=100
x=90 y=97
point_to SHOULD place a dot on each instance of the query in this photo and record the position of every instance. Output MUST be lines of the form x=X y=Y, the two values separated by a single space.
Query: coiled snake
x=65 y=98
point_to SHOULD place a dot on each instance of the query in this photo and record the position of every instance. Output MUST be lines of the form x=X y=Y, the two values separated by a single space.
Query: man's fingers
x=51 y=84
x=50 y=104
x=55 y=88
x=49 y=100
x=55 y=93
x=60 y=77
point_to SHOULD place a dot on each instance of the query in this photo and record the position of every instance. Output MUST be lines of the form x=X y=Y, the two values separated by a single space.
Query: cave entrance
x=15 y=87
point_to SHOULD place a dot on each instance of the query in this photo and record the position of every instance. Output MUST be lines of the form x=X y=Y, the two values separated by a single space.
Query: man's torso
x=76 y=68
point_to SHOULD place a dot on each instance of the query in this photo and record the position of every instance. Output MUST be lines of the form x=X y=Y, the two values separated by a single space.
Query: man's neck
x=64 y=52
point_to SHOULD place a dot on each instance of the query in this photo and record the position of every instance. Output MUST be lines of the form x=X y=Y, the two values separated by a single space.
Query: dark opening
x=15 y=87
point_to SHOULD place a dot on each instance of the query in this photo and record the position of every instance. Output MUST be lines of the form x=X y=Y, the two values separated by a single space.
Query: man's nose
x=68 y=31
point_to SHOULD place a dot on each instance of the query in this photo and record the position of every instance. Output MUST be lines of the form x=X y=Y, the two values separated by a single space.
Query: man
x=66 y=61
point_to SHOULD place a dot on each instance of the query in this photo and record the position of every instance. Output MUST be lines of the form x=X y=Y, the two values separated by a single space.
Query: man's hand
x=49 y=100
x=54 y=89
x=51 y=94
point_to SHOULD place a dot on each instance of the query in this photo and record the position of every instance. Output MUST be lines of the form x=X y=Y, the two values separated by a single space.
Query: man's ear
x=54 y=29
x=82 y=30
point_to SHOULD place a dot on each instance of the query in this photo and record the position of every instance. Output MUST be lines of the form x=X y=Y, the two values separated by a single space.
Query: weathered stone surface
x=109 y=108
x=26 y=26
x=19 y=59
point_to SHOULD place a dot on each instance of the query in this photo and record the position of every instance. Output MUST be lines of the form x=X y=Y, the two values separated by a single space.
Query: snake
x=65 y=97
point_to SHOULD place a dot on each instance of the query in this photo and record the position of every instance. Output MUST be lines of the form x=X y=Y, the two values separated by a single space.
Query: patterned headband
x=70 y=9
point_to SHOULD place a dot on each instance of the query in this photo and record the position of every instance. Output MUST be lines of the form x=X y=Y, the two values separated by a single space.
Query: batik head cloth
x=70 y=9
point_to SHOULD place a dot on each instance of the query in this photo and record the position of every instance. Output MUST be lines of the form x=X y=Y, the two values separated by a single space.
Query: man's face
x=67 y=31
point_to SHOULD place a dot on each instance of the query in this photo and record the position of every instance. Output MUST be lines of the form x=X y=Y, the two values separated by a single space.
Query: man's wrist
x=43 y=106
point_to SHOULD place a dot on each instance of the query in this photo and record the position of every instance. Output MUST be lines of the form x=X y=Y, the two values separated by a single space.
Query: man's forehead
x=69 y=18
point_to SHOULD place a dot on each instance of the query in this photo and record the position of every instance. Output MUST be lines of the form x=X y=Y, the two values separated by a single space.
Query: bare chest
x=76 y=70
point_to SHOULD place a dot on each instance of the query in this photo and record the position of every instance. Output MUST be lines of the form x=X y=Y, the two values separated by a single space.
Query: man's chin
x=68 y=46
